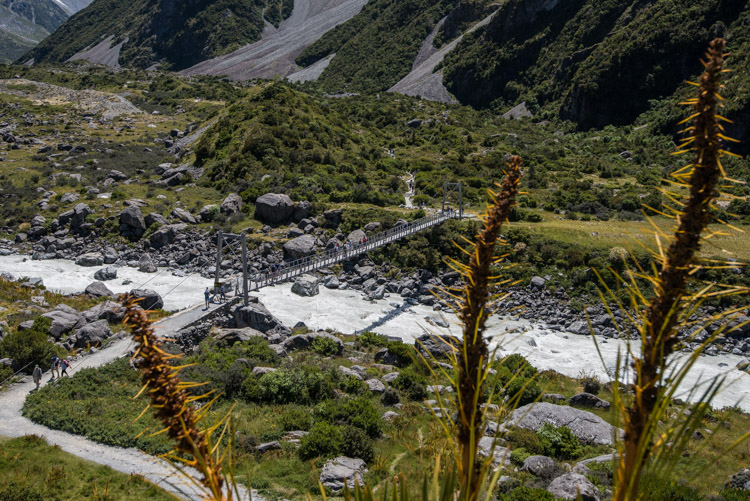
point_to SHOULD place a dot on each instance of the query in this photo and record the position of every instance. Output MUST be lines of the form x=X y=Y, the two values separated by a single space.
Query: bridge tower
x=450 y=189
x=230 y=242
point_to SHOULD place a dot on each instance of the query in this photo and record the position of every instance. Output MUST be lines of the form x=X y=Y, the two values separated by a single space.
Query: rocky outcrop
x=256 y=316
x=274 y=208
x=108 y=273
x=132 y=224
x=64 y=319
x=92 y=334
x=588 y=427
x=299 y=247
x=231 y=205
x=98 y=289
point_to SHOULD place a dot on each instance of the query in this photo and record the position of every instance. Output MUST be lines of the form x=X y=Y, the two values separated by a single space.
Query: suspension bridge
x=291 y=269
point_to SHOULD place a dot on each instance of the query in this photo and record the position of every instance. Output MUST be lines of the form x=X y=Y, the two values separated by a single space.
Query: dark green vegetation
x=33 y=470
x=389 y=57
x=597 y=62
x=309 y=393
x=177 y=34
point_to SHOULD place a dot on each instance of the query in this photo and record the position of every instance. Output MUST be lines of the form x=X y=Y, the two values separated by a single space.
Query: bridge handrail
x=290 y=269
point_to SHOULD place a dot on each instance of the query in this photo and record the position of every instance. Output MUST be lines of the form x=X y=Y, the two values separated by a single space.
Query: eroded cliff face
x=595 y=62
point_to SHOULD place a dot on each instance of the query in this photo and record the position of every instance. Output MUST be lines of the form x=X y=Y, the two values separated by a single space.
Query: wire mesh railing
x=323 y=259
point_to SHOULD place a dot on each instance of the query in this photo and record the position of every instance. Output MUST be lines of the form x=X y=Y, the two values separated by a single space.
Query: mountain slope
x=177 y=33
x=595 y=62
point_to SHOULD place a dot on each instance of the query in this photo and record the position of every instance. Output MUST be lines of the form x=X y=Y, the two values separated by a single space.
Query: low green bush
x=324 y=440
x=519 y=438
x=358 y=412
x=518 y=456
x=404 y=352
x=390 y=397
x=412 y=384
x=369 y=338
x=295 y=417
x=356 y=444
x=523 y=390
x=734 y=495
x=671 y=490
x=559 y=443
x=523 y=493
x=325 y=346
x=288 y=386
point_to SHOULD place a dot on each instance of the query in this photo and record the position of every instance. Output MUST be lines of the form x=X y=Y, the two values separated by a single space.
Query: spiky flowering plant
x=171 y=404
x=656 y=373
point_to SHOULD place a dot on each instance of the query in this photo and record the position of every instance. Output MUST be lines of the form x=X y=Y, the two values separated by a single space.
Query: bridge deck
x=330 y=257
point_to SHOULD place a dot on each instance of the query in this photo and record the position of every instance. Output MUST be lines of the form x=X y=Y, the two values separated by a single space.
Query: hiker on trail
x=55 y=367
x=64 y=364
x=207 y=295
x=37 y=375
x=222 y=293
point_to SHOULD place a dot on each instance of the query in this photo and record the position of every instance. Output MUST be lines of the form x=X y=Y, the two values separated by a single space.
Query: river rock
x=342 y=471
x=108 y=273
x=306 y=286
x=149 y=299
x=299 y=247
x=90 y=259
x=146 y=264
x=588 y=427
x=573 y=486
x=256 y=316
x=437 y=347
x=98 y=289
x=274 y=208
x=332 y=282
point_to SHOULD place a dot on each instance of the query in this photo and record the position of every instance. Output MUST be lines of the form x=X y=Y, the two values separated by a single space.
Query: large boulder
x=146 y=264
x=108 y=273
x=64 y=319
x=132 y=224
x=231 y=205
x=584 y=399
x=588 y=427
x=303 y=341
x=155 y=218
x=299 y=247
x=540 y=466
x=231 y=336
x=573 y=486
x=342 y=471
x=306 y=286
x=92 y=334
x=256 y=316
x=108 y=310
x=438 y=347
x=165 y=235
x=98 y=289
x=183 y=216
x=274 y=208
x=149 y=299
x=356 y=236
x=90 y=259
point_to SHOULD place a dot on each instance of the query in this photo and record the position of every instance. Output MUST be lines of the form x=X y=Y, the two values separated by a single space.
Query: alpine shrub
x=356 y=444
x=324 y=440
x=294 y=418
x=559 y=442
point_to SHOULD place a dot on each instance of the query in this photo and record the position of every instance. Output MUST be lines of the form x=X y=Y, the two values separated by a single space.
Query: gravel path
x=129 y=461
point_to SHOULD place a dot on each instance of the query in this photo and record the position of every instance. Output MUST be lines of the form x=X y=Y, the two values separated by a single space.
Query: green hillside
x=44 y=13
x=177 y=34
x=12 y=47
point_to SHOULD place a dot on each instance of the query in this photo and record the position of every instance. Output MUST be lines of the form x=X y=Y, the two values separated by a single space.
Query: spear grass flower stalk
x=170 y=402
x=659 y=320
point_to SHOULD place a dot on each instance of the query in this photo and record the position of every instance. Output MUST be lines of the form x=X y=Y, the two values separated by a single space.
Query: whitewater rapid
x=345 y=311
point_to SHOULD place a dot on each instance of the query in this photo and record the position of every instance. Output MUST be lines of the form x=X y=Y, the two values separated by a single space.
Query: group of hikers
x=217 y=291
x=58 y=366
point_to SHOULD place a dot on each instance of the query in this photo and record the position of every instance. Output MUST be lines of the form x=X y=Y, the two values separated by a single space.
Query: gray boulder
x=256 y=316
x=132 y=223
x=386 y=357
x=299 y=247
x=208 y=212
x=149 y=299
x=155 y=218
x=342 y=471
x=146 y=264
x=90 y=259
x=92 y=334
x=538 y=283
x=98 y=289
x=588 y=427
x=274 y=208
x=183 y=216
x=108 y=310
x=231 y=336
x=580 y=327
x=268 y=446
x=438 y=347
x=332 y=282
x=108 y=273
x=165 y=235
x=306 y=286
x=573 y=486
x=231 y=205
x=375 y=386
x=540 y=466
x=64 y=319
x=356 y=236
